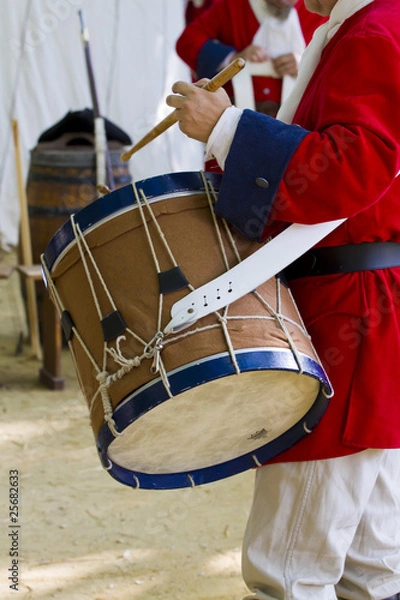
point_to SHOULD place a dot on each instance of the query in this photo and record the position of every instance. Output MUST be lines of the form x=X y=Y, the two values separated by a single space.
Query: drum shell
x=120 y=249
x=62 y=180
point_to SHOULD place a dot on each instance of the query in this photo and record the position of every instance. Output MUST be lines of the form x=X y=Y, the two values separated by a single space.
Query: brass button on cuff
x=262 y=182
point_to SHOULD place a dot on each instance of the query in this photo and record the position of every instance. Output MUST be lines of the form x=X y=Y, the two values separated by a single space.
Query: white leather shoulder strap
x=272 y=258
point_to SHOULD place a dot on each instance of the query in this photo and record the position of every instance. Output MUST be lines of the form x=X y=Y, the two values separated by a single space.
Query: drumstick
x=216 y=82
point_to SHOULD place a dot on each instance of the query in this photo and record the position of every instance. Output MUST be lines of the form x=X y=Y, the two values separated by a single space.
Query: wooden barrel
x=62 y=180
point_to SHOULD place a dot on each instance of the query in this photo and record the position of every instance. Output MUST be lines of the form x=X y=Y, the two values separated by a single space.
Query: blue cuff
x=256 y=163
x=211 y=55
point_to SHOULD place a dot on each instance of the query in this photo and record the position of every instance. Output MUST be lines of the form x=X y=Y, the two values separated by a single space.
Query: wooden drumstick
x=216 y=82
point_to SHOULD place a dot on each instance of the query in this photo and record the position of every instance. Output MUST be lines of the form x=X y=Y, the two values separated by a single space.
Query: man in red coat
x=268 y=33
x=325 y=520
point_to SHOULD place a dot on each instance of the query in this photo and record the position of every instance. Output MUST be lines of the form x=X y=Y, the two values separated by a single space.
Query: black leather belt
x=345 y=259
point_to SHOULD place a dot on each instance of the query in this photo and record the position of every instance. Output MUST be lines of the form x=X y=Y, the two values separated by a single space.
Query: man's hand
x=286 y=65
x=198 y=110
x=253 y=53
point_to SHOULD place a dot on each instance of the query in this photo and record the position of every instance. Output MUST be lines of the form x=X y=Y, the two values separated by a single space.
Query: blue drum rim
x=196 y=374
x=122 y=198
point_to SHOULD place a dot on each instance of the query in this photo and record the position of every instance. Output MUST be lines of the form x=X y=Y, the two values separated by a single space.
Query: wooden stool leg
x=50 y=373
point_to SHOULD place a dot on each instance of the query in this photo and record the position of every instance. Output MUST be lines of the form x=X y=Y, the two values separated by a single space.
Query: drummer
x=326 y=512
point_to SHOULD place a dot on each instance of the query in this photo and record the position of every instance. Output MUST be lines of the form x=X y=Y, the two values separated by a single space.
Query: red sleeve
x=209 y=25
x=232 y=23
x=352 y=155
x=192 y=12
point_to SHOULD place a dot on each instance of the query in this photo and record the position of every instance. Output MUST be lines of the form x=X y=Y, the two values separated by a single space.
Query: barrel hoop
x=32 y=176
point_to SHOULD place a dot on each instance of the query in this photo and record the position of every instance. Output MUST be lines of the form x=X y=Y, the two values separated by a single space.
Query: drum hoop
x=251 y=359
x=121 y=200
x=114 y=215
x=197 y=373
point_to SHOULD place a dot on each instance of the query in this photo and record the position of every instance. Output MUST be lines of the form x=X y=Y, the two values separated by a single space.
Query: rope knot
x=222 y=319
x=153 y=350
x=102 y=378
x=104 y=382
x=116 y=353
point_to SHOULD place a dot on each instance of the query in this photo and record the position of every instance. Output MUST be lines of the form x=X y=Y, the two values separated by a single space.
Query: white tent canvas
x=44 y=76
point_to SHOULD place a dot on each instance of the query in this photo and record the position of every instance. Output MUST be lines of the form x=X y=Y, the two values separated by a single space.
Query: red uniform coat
x=344 y=165
x=233 y=24
x=192 y=12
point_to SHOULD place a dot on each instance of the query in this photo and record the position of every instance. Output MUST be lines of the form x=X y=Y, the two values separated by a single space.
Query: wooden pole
x=104 y=172
x=26 y=249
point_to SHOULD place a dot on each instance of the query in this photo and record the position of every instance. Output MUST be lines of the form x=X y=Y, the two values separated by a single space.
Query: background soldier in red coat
x=261 y=31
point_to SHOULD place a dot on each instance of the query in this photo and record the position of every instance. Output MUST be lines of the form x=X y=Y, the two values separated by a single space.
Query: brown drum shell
x=121 y=252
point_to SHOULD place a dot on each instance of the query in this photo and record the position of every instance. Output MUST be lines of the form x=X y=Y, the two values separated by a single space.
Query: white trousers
x=325 y=529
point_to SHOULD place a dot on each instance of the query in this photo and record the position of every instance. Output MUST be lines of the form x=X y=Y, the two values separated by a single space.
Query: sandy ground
x=78 y=533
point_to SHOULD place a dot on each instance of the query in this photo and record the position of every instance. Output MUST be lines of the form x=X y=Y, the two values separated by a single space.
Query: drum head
x=211 y=429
